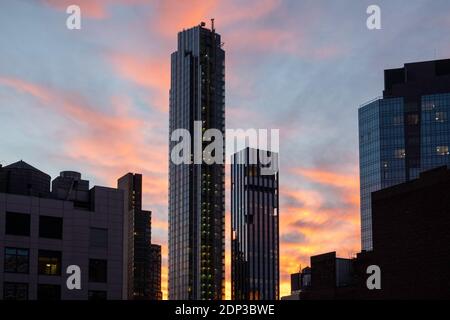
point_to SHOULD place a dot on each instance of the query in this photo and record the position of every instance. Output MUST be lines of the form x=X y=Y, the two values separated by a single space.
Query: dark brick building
x=411 y=224
x=411 y=245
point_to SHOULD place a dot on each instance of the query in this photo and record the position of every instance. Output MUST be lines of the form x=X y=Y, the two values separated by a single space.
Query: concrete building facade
x=43 y=232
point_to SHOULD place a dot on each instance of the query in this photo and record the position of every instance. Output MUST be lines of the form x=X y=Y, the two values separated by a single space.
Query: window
x=17 y=224
x=16 y=260
x=50 y=227
x=398 y=120
x=97 y=270
x=15 y=291
x=252 y=171
x=441 y=116
x=428 y=106
x=49 y=292
x=49 y=263
x=442 y=150
x=413 y=119
x=99 y=237
x=400 y=153
x=97 y=295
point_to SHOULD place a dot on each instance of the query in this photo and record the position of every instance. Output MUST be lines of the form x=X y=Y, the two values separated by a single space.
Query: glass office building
x=197 y=191
x=255 y=228
x=405 y=132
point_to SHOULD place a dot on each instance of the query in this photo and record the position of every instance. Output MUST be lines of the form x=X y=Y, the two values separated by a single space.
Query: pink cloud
x=304 y=215
x=109 y=144
x=171 y=16
x=149 y=72
x=113 y=143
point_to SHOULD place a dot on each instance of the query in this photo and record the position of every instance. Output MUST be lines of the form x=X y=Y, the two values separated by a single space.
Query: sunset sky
x=96 y=100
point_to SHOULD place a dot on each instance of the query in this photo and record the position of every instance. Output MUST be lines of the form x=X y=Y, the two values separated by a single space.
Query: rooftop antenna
x=212 y=25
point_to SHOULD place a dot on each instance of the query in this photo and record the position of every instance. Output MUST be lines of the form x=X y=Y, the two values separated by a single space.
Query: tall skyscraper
x=404 y=133
x=255 y=229
x=141 y=264
x=197 y=191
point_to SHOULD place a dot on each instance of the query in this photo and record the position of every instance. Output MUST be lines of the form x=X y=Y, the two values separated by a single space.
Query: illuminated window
x=442 y=150
x=252 y=171
x=49 y=262
x=441 y=116
x=400 y=153
x=428 y=106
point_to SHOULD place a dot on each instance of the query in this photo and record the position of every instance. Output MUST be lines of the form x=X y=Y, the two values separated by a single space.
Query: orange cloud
x=110 y=144
x=306 y=218
x=26 y=87
x=328 y=177
x=172 y=16
x=149 y=72
x=113 y=143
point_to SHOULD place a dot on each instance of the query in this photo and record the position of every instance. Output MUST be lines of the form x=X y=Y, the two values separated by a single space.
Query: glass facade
x=435 y=132
x=197 y=191
x=397 y=141
x=255 y=230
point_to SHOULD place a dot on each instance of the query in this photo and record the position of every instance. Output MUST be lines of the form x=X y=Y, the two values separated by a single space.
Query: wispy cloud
x=301 y=66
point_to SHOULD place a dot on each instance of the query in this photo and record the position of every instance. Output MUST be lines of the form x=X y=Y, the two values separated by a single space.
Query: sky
x=95 y=100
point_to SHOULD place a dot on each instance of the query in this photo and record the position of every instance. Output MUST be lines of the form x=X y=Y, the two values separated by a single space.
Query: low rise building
x=43 y=232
